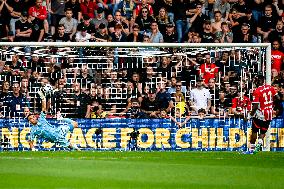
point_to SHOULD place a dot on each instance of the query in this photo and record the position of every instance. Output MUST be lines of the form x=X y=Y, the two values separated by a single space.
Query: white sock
x=252 y=147
x=260 y=141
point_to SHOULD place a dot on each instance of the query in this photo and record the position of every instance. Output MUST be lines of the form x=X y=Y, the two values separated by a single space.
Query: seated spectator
x=206 y=35
x=118 y=35
x=127 y=8
x=220 y=106
x=23 y=28
x=135 y=36
x=83 y=35
x=37 y=28
x=118 y=21
x=198 y=19
x=99 y=18
x=216 y=23
x=245 y=35
x=85 y=79
x=135 y=110
x=14 y=69
x=101 y=35
x=87 y=24
x=70 y=23
x=40 y=12
x=60 y=35
x=163 y=97
x=162 y=20
x=277 y=56
x=155 y=34
x=276 y=34
x=176 y=86
x=144 y=20
x=15 y=9
x=224 y=36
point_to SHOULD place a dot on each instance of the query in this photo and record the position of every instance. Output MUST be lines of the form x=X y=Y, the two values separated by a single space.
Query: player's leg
x=255 y=129
x=263 y=130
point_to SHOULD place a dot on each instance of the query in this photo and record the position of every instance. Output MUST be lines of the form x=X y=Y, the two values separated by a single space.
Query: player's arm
x=43 y=100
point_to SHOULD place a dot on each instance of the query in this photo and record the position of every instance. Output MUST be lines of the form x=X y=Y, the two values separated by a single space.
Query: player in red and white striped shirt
x=262 y=112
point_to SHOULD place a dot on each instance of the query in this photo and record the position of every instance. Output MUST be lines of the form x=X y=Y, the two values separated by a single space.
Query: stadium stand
x=102 y=82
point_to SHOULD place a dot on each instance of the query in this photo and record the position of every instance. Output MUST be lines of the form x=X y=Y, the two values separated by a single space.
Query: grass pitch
x=72 y=170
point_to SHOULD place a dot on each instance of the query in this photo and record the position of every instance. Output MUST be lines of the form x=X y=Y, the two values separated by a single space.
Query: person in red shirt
x=277 y=56
x=208 y=70
x=241 y=105
x=39 y=12
x=88 y=7
x=262 y=112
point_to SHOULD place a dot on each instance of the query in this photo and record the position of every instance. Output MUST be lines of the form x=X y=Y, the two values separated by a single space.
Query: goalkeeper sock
x=260 y=141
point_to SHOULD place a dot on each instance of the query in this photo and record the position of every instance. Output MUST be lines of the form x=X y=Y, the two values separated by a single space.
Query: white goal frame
x=267 y=47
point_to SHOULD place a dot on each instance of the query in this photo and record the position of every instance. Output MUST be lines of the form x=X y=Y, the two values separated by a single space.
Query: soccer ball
x=47 y=89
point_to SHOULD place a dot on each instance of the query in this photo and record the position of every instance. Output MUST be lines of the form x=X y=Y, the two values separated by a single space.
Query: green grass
x=94 y=170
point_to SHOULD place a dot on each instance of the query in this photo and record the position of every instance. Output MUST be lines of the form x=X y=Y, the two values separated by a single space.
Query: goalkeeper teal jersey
x=44 y=130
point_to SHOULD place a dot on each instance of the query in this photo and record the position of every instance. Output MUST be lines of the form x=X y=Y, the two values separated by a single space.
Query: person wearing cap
x=170 y=35
x=83 y=35
x=150 y=105
x=101 y=35
x=99 y=18
x=14 y=7
x=69 y=23
x=206 y=35
x=23 y=28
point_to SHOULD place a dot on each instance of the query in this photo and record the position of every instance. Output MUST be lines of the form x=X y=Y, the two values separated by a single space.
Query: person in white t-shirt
x=200 y=97
x=83 y=36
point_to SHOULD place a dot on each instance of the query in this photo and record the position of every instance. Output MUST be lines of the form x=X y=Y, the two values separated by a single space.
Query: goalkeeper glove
x=41 y=95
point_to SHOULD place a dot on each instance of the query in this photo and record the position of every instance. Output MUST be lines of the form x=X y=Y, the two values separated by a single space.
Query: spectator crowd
x=98 y=82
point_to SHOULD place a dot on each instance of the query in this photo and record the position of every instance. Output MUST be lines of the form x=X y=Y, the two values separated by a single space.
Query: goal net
x=120 y=72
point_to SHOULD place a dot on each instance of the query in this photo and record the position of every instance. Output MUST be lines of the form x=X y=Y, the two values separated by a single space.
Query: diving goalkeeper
x=44 y=130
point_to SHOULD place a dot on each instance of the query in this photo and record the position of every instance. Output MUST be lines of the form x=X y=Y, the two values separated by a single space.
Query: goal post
x=259 y=52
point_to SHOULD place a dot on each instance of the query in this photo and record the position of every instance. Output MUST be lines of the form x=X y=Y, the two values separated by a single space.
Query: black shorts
x=260 y=125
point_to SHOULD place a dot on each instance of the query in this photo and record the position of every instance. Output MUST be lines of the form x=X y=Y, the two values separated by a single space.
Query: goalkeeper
x=44 y=130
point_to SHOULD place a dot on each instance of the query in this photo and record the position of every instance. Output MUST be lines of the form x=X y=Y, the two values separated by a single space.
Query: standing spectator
x=74 y=5
x=167 y=5
x=221 y=105
x=200 y=97
x=144 y=20
x=127 y=8
x=70 y=24
x=224 y=7
x=5 y=88
x=5 y=18
x=14 y=69
x=208 y=70
x=80 y=102
x=155 y=34
x=163 y=97
x=15 y=103
x=23 y=28
x=139 y=8
x=176 y=87
x=267 y=23
x=250 y=20
x=224 y=36
x=241 y=105
x=241 y=7
x=56 y=13
x=85 y=79
x=164 y=70
x=277 y=56
x=40 y=12
x=15 y=9
x=182 y=24
x=60 y=35
x=198 y=19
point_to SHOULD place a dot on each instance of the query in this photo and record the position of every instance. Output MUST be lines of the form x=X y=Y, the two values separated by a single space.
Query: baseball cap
x=84 y=28
x=171 y=24
x=102 y=26
x=24 y=13
x=100 y=10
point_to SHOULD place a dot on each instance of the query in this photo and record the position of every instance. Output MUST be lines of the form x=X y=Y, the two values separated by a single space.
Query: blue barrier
x=155 y=134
